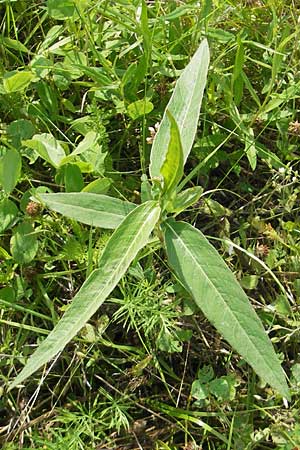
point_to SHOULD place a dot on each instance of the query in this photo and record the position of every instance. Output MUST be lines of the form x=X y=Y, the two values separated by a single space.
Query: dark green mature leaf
x=20 y=129
x=8 y=213
x=73 y=178
x=24 y=243
x=121 y=249
x=184 y=105
x=62 y=9
x=215 y=290
x=86 y=207
x=10 y=170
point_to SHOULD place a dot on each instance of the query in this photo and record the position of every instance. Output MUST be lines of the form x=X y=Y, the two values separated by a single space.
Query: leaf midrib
x=189 y=103
x=84 y=209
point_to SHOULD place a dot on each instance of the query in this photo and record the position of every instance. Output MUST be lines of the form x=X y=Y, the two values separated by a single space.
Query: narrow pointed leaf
x=214 y=288
x=172 y=169
x=121 y=249
x=184 y=105
x=89 y=208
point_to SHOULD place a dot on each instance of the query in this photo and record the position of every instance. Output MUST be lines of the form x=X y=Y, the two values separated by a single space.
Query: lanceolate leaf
x=215 y=290
x=172 y=168
x=93 y=209
x=184 y=105
x=121 y=249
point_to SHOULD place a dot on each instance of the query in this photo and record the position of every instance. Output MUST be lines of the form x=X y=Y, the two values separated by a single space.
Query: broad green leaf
x=88 y=155
x=73 y=178
x=88 y=141
x=10 y=169
x=41 y=66
x=73 y=60
x=52 y=35
x=8 y=213
x=215 y=290
x=172 y=168
x=184 y=105
x=123 y=246
x=24 y=243
x=93 y=209
x=62 y=9
x=47 y=147
x=20 y=129
x=139 y=108
x=213 y=208
x=48 y=97
x=99 y=186
x=199 y=390
x=223 y=388
x=17 y=81
x=185 y=199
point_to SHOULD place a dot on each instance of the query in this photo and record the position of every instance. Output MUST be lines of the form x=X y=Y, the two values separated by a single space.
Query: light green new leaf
x=139 y=108
x=98 y=186
x=86 y=207
x=88 y=141
x=172 y=168
x=17 y=81
x=47 y=147
x=121 y=249
x=184 y=105
x=215 y=290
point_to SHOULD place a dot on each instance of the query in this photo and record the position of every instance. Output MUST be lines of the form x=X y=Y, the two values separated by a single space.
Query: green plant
x=194 y=261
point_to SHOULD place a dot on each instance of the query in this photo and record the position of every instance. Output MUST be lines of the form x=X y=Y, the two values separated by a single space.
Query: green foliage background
x=81 y=82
